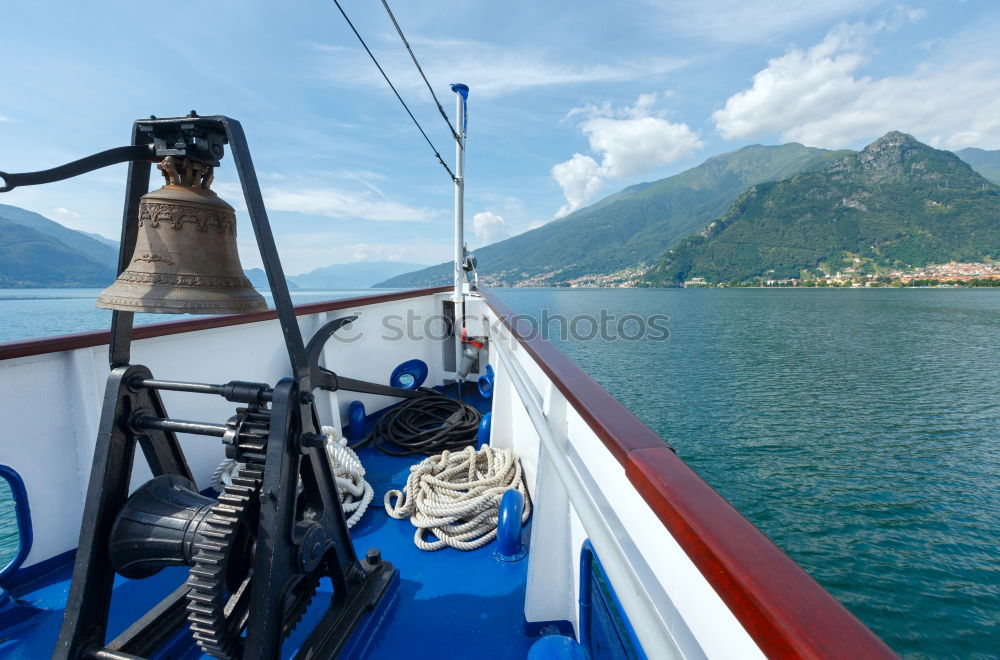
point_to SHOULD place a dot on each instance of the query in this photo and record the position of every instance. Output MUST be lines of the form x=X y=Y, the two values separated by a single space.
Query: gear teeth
x=217 y=635
x=207 y=598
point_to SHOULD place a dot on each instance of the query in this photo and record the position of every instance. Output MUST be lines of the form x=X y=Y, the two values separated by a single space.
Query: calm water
x=28 y=313
x=857 y=428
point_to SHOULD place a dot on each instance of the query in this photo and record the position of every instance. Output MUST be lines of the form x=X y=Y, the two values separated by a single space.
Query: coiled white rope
x=355 y=493
x=456 y=497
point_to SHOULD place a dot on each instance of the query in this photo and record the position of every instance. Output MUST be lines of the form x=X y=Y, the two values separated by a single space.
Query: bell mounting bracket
x=158 y=139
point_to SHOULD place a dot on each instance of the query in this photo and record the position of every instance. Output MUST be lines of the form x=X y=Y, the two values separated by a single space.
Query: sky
x=569 y=102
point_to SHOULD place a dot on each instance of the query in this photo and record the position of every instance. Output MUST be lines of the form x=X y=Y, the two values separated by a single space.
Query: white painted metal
x=458 y=296
x=672 y=607
x=459 y=199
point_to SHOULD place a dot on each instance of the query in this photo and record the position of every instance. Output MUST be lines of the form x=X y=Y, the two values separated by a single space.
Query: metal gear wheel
x=219 y=581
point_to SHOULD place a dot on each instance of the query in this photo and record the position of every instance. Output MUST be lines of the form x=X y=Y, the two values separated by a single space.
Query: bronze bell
x=185 y=259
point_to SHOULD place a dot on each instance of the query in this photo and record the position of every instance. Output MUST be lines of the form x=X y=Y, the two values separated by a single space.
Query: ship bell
x=185 y=259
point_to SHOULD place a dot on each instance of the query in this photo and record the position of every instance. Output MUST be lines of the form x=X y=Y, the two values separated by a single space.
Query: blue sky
x=570 y=101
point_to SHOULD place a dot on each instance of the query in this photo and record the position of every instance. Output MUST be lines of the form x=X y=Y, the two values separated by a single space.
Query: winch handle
x=78 y=167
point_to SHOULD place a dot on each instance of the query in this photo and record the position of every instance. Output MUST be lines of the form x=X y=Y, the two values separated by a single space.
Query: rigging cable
x=393 y=87
x=406 y=43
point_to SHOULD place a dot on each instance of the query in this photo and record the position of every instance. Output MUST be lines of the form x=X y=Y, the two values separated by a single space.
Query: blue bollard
x=556 y=647
x=509 y=546
x=486 y=382
x=483 y=438
x=356 y=420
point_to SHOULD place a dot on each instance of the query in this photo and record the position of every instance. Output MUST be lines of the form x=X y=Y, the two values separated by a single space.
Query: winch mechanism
x=256 y=553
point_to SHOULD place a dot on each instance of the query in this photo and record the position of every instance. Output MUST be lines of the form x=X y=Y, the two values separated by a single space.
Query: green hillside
x=30 y=258
x=631 y=227
x=97 y=248
x=985 y=162
x=896 y=203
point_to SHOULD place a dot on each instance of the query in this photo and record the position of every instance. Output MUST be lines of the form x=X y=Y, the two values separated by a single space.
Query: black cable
x=393 y=87
x=428 y=425
x=406 y=43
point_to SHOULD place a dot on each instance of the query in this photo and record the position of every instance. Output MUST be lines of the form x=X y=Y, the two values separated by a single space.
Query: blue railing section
x=605 y=631
x=23 y=516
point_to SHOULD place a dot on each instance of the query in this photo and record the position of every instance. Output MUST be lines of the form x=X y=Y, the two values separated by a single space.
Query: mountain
x=31 y=258
x=987 y=163
x=357 y=275
x=631 y=227
x=96 y=248
x=896 y=203
x=102 y=239
x=258 y=279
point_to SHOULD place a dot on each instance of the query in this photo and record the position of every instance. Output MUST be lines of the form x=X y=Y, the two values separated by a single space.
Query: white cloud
x=629 y=141
x=3 y=118
x=332 y=203
x=580 y=179
x=739 y=21
x=66 y=212
x=817 y=96
x=489 y=227
x=489 y=69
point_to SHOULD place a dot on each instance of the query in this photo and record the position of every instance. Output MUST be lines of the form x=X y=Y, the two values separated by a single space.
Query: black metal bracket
x=328 y=380
x=306 y=533
x=77 y=167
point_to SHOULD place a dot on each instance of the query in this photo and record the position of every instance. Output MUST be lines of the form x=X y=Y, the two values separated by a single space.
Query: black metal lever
x=77 y=167
x=327 y=380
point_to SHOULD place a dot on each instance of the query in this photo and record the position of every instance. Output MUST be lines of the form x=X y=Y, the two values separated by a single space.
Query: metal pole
x=459 y=296
x=459 y=197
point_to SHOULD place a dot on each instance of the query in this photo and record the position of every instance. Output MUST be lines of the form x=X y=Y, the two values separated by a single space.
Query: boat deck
x=461 y=603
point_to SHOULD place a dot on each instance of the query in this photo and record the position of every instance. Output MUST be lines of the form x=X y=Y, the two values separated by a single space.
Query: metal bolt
x=307 y=440
x=373 y=557
x=307 y=397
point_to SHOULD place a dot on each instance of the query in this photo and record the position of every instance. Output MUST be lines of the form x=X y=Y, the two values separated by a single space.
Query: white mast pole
x=461 y=92
x=459 y=192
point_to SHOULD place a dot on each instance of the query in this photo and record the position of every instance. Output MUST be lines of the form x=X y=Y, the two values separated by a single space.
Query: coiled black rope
x=428 y=425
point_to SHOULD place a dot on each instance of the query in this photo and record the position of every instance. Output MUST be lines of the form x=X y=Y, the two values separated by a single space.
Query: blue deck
x=461 y=604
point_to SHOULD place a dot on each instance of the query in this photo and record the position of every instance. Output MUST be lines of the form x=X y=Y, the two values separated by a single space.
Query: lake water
x=29 y=313
x=859 y=429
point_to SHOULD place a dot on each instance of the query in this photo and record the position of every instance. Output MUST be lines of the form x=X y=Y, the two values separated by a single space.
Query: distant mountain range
x=357 y=275
x=622 y=236
x=986 y=163
x=38 y=252
x=897 y=203
x=631 y=227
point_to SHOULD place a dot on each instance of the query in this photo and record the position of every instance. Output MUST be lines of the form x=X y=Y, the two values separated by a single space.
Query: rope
x=393 y=87
x=427 y=425
x=355 y=493
x=456 y=497
x=444 y=115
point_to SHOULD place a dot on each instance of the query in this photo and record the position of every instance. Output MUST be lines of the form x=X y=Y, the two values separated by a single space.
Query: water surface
x=859 y=429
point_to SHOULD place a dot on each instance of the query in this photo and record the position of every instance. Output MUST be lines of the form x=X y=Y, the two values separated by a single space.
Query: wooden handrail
x=16 y=349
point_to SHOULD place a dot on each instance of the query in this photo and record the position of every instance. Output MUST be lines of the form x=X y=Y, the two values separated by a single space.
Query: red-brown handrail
x=16 y=349
x=785 y=611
